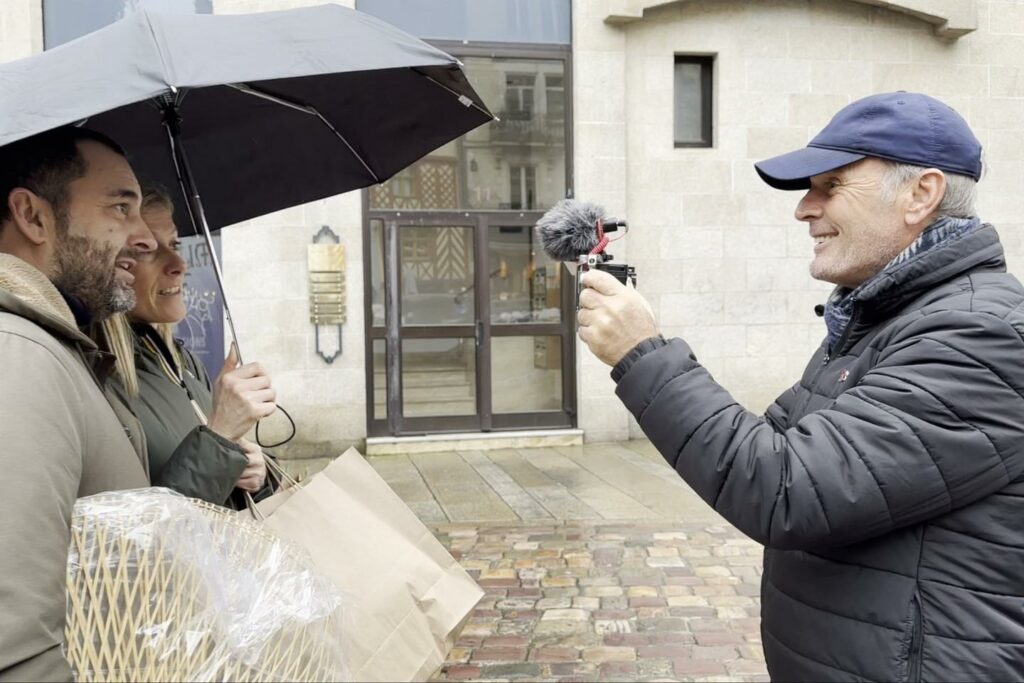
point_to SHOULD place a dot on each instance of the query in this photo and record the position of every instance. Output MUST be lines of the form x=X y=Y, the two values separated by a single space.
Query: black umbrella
x=275 y=109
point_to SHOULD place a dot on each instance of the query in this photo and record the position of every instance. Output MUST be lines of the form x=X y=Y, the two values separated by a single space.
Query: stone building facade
x=719 y=254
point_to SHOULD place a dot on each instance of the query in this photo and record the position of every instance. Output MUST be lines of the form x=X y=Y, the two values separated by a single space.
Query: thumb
x=602 y=282
x=231 y=362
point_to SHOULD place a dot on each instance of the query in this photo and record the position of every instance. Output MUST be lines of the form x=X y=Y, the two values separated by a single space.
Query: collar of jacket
x=158 y=359
x=83 y=318
x=977 y=251
x=27 y=292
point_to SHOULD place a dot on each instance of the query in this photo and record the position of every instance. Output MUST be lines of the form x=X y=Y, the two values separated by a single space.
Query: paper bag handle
x=287 y=482
x=250 y=505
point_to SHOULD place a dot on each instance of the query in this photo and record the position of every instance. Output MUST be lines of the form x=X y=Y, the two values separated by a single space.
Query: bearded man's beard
x=84 y=270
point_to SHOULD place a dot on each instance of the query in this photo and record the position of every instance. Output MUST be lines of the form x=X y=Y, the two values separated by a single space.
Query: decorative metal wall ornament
x=327 y=301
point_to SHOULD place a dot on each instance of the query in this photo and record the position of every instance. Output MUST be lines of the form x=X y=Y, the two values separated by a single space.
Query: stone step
x=473 y=441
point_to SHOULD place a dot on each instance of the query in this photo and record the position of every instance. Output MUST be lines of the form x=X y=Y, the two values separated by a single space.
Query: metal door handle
x=479 y=332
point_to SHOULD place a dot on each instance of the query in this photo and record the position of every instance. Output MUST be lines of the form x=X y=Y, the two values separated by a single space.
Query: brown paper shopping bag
x=408 y=597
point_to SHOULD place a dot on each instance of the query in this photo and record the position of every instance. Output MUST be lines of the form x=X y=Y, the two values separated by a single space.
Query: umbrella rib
x=464 y=99
x=305 y=109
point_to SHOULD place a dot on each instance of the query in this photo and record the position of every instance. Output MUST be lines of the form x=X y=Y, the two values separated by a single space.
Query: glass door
x=468 y=330
x=530 y=329
x=468 y=327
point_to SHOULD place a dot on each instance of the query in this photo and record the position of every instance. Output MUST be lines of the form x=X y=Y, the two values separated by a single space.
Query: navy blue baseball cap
x=906 y=127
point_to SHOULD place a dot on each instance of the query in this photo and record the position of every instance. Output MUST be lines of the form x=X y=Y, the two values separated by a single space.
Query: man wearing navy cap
x=888 y=484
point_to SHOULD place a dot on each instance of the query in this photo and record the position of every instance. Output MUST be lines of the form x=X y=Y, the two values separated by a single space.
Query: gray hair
x=961 y=191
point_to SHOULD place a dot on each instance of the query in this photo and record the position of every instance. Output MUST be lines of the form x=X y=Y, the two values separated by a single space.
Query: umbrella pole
x=194 y=204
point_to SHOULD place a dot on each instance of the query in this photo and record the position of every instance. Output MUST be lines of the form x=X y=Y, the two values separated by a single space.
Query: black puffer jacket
x=887 y=485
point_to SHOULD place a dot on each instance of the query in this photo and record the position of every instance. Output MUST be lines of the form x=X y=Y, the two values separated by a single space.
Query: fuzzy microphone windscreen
x=569 y=229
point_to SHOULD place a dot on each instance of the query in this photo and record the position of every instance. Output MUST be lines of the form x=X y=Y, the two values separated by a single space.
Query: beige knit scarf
x=33 y=287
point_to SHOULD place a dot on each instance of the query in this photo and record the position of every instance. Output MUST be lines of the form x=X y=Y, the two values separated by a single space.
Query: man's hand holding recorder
x=613 y=317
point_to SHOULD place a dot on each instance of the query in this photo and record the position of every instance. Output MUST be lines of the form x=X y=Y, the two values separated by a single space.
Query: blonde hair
x=118 y=337
x=156 y=197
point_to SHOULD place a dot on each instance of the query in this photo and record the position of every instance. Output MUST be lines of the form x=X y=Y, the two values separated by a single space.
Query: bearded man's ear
x=31 y=215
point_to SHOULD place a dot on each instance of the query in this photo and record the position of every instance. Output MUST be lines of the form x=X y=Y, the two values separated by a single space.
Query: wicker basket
x=165 y=588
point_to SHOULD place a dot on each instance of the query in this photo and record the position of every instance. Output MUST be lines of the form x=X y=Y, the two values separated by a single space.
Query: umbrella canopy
x=275 y=109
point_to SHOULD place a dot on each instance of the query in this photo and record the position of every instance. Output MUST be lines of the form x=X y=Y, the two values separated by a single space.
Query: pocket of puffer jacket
x=913 y=641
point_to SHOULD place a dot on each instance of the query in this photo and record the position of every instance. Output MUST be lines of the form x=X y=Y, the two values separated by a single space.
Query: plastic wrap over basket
x=167 y=588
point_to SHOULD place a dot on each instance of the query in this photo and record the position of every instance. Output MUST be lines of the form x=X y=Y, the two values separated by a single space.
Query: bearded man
x=69 y=226
x=888 y=483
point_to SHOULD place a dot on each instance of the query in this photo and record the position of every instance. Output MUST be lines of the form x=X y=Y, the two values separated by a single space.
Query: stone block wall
x=21 y=29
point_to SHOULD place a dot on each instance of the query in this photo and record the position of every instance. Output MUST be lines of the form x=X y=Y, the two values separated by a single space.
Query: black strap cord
x=279 y=443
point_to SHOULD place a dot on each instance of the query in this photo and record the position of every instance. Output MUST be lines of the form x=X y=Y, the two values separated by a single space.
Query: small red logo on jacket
x=844 y=375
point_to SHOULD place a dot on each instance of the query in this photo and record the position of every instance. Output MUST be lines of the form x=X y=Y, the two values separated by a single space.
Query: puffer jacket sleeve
x=42 y=437
x=934 y=425
x=205 y=465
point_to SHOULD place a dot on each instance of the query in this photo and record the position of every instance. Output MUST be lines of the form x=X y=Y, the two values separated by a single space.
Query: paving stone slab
x=667 y=623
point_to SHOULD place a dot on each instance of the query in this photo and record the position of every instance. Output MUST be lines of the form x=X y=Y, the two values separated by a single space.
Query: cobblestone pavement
x=599 y=564
x=608 y=602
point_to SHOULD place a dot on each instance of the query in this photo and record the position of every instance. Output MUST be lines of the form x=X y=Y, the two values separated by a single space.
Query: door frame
x=482 y=331
x=393 y=424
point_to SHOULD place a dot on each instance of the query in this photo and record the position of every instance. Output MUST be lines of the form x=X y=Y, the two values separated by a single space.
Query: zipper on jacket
x=916 y=643
x=841 y=344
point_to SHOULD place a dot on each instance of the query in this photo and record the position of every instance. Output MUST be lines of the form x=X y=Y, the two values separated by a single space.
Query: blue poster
x=202 y=330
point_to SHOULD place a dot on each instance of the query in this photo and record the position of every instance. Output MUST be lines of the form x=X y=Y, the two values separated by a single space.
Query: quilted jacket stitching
x=657 y=392
x=837 y=615
x=931 y=456
x=689 y=437
x=961 y=418
x=863 y=459
x=801 y=655
x=814 y=486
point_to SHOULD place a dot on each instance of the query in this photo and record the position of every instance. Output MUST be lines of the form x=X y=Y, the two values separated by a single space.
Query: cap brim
x=793 y=171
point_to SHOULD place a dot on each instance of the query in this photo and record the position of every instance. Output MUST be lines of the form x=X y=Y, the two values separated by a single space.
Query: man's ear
x=31 y=215
x=926 y=194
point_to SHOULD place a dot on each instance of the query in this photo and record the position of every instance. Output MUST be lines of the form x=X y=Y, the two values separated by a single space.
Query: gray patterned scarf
x=940 y=233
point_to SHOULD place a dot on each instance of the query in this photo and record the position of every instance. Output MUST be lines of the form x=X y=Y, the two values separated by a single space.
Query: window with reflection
x=436 y=275
x=380 y=380
x=526 y=374
x=438 y=377
x=377 y=296
x=516 y=163
x=525 y=283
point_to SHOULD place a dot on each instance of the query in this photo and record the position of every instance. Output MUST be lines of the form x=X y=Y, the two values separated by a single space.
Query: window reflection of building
x=526 y=286
x=429 y=184
x=516 y=163
x=518 y=97
x=523 y=187
x=555 y=93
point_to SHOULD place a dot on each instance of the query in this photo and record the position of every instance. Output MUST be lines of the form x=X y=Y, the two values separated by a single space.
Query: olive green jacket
x=184 y=455
x=59 y=440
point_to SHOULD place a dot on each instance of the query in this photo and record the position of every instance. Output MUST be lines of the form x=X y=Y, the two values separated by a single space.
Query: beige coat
x=59 y=440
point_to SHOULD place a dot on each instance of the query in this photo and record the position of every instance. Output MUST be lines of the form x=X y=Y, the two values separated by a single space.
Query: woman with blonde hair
x=195 y=430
